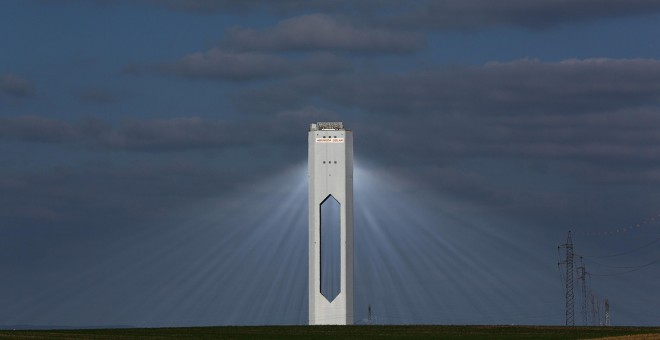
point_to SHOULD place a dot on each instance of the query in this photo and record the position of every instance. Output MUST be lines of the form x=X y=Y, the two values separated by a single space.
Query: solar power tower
x=330 y=175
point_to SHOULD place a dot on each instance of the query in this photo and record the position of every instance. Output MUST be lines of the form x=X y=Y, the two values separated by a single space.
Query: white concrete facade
x=330 y=172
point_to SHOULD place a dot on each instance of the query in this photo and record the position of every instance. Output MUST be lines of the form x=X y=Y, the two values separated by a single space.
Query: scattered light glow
x=419 y=259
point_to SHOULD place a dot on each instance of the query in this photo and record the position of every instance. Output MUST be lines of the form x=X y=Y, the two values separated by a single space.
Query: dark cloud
x=174 y=134
x=322 y=32
x=206 y=158
x=478 y=14
x=521 y=87
x=117 y=190
x=323 y=63
x=576 y=138
x=218 y=63
x=210 y=6
x=194 y=133
x=207 y=5
x=95 y=95
x=41 y=129
x=132 y=68
x=453 y=14
x=223 y=64
x=601 y=116
x=15 y=86
x=36 y=128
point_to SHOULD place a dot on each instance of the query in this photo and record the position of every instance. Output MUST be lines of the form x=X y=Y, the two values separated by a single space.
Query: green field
x=343 y=332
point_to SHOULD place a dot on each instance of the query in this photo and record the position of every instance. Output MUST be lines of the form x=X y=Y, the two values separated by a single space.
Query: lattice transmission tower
x=594 y=311
x=607 y=313
x=570 y=298
x=582 y=284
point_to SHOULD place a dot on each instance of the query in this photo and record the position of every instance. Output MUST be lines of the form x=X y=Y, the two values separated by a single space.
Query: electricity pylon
x=582 y=273
x=570 y=298
x=607 y=313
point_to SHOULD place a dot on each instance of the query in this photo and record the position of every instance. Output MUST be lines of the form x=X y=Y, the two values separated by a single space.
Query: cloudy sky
x=152 y=158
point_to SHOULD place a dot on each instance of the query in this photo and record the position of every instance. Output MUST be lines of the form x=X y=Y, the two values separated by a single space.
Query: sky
x=153 y=158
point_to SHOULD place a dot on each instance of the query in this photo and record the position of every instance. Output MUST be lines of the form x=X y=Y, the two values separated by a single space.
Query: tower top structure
x=327 y=126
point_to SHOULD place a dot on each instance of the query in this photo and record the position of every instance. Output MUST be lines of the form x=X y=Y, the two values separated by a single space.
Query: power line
x=623 y=253
x=625 y=267
x=634 y=269
x=610 y=232
x=599 y=309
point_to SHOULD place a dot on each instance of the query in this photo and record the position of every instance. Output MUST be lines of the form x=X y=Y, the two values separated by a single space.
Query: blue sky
x=152 y=157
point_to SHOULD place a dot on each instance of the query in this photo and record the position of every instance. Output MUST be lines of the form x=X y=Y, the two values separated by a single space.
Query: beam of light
x=229 y=261
x=241 y=259
x=416 y=262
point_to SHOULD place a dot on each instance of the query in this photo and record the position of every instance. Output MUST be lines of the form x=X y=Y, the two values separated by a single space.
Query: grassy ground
x=344 y=332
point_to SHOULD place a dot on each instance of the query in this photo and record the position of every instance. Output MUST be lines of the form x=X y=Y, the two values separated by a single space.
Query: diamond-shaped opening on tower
x=330 y=248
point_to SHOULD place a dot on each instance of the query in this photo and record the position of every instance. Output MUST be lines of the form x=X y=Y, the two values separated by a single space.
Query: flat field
x=345 y=332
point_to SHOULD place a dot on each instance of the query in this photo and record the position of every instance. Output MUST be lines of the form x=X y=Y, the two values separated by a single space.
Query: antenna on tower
x=570 y=298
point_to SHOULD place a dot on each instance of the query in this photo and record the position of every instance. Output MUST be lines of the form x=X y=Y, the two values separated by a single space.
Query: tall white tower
x=330 y=172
